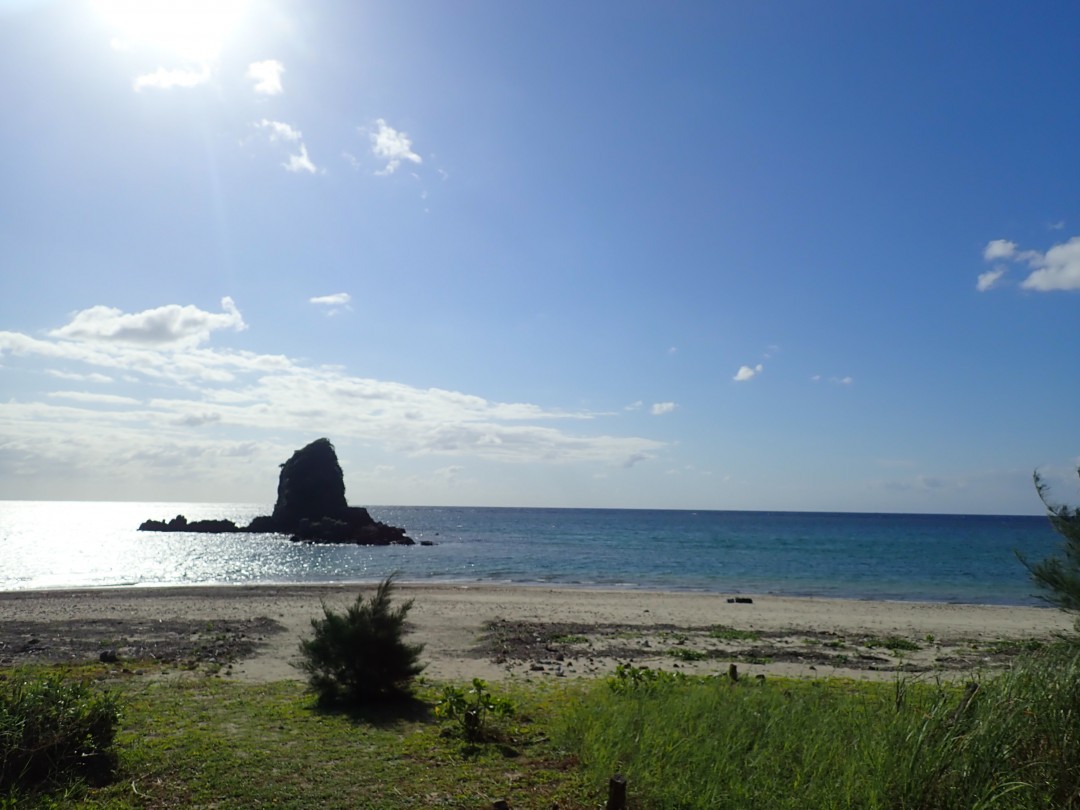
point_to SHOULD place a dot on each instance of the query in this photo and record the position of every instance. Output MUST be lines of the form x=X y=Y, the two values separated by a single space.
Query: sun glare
x=194 y=30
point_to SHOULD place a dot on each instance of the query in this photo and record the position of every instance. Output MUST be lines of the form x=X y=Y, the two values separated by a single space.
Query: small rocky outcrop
x=310 y=506
x=181 y=524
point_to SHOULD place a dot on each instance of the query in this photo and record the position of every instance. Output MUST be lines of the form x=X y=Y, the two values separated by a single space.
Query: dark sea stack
x=310 y=487
x=311 y=507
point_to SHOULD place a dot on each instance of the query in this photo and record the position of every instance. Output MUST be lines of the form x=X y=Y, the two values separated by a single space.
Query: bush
x=360 y=656
x=473 y=709
x=1059 y=577
x=51 y=728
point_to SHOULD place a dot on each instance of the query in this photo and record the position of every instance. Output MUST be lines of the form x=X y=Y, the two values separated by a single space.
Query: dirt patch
x=163 y=640
x=577 y=648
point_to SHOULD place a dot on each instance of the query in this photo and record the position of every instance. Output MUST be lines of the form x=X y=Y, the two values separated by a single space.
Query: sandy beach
x=500 y=632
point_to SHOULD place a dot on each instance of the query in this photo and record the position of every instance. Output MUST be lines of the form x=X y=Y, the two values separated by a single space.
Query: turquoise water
x=940 y=558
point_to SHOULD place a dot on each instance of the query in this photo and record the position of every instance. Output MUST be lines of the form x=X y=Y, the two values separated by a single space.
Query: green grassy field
x=206 y=742
x=1009 y=740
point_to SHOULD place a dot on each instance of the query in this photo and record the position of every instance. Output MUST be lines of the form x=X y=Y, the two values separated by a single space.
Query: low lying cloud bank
x=162 y=394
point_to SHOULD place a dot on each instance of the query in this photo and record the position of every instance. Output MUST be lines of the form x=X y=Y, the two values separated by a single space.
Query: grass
x=53 y=728
x=725 y=633
x=198 y=742
x=1015 y=646
x=1007 y=742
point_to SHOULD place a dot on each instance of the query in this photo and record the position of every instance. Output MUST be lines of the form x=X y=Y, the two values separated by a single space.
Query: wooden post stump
x=616 y=799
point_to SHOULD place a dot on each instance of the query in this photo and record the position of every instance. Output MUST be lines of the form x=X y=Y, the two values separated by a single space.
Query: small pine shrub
x=52 y=728
x=360 y=656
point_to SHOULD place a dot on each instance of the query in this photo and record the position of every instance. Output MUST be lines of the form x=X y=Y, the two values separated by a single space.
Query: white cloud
x=999 y=249
x=69 y=375
x=278 y=130
x=392 y=146
x=300 y=162
x=184 y=383
x=198 y=419
x=94 y=398
x=989 y=279
x=165 y=79
x=834 y=380
x=635 y=406
x=747 y=373
x=449 y=475
x=267 y=76
x=1058 y=269
x=171 y=325
x=336 y=300
x=661 y=408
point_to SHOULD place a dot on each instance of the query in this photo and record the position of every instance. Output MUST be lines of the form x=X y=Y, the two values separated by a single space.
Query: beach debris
x=310 y=506
x=740 y=600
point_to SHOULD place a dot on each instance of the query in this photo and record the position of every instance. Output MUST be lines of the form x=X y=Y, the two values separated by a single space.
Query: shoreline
x=496 y=631
x=627 y=588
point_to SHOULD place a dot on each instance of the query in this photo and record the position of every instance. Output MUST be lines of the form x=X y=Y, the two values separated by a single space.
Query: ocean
x=937 y=558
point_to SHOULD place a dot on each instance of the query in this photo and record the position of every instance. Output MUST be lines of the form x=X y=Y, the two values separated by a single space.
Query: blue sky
x=805 y=256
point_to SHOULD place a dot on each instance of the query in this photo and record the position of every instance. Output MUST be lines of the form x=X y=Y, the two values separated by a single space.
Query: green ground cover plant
x=197 y=741
x=473 y=710
x=53 y=729
x=1006 y=742
x=724 y=632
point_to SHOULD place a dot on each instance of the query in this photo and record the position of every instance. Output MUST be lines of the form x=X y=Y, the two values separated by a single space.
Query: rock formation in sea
x=310 y=506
